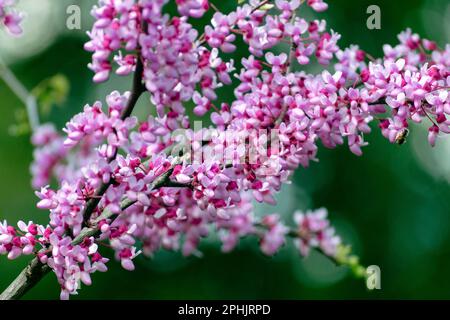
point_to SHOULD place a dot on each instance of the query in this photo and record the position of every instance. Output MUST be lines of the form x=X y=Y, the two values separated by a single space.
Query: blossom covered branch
x=272 y=126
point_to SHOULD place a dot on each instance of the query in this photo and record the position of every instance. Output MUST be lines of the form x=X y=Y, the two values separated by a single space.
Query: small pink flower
x=433 y=132
x=10 y=18
x=277 y=62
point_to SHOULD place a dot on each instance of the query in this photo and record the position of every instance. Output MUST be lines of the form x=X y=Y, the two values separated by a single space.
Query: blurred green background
x=392 y=204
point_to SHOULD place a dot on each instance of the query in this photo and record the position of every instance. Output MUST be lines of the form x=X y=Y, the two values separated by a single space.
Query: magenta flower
x=315 y=232
x=10 y=18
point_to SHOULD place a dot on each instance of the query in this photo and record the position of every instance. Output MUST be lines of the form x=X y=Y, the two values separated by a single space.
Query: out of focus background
x=392 y=205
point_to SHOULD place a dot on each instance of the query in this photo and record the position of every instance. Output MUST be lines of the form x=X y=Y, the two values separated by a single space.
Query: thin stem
x=214 y=7
x=27 y=279
x=370 y=57
x=137 y=90
x=428 y=116
x=290 y=60
x=22 y=93
x=35 y=270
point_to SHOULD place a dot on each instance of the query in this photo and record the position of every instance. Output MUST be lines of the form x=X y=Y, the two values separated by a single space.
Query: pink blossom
x=193 y=8
x=315 y=232
x=275 y=237
x=10 y=18
x=317 y=5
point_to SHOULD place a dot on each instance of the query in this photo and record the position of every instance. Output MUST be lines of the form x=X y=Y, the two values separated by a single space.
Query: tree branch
x=27 y=279
x=289 y=62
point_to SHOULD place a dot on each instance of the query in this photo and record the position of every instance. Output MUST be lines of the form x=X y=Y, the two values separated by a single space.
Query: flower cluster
x=98 y=126
x=315 y=232
x=159 y=183
x=15 y=242
x=414 y=80
x=10 y=18
x=72 y=263
x=48 y=153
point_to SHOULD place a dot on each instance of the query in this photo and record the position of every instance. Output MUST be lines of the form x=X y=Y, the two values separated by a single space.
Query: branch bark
x=27 y=279
x=136 y=91
x=289 y=62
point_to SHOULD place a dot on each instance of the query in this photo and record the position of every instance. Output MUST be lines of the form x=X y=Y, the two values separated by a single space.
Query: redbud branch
x=428 y=116
x=136 y=91
x=22 y=93
x=138 y=88
x=35 y=270
x=289 y=62
x=27 y=279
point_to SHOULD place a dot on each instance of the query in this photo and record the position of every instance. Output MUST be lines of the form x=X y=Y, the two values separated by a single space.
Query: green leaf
x=51 y=92
x=345 y=257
